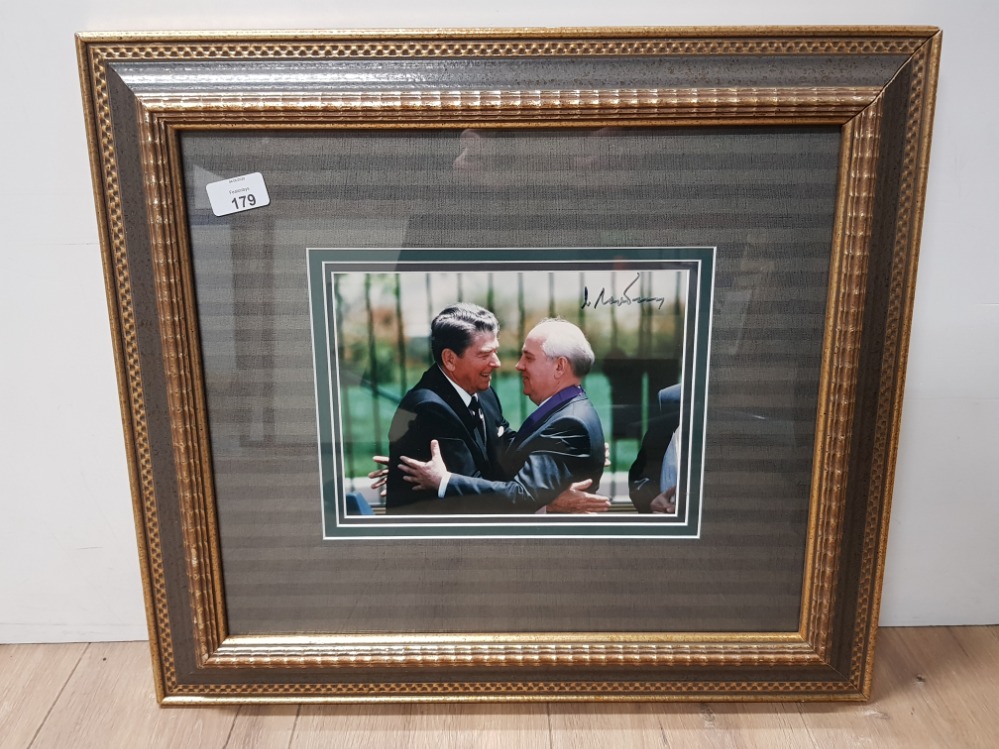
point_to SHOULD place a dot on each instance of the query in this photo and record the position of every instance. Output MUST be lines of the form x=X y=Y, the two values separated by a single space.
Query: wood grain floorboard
x=263 y=727
x=959 y=668
x=31 y=678
x=109 y=703
x=913 y=703
x=933 y=687
x=447 y=726
x=577 y=725
x=686 y=726
x=738 y=725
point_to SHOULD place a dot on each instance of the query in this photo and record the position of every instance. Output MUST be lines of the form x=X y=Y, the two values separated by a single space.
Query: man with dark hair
x=560 y=443
x=453 y=403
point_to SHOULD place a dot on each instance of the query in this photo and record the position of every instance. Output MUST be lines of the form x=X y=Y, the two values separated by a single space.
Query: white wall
x=68 y=562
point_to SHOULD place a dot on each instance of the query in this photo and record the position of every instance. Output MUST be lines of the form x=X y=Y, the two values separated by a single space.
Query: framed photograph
x=511 y=364
x=645 y=314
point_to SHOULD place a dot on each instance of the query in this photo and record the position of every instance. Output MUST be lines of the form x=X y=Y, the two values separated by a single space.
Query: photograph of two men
x=525 y=393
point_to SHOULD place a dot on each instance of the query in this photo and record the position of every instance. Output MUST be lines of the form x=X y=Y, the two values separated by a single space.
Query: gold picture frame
x=850 y=109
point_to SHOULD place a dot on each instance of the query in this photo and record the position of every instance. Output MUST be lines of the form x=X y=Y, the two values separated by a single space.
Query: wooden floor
x=933 y=687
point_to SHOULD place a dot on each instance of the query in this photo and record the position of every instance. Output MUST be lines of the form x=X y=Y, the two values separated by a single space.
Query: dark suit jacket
x=566 y=446
x=433 y=410
x=643 y=477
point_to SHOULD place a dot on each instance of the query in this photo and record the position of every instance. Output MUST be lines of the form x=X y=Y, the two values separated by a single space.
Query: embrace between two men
x=453 y=452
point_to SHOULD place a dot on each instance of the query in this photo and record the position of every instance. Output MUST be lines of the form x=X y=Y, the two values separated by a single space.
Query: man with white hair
x=561 y=442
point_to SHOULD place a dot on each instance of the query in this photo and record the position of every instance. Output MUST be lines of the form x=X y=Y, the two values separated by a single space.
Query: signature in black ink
x=619 y=301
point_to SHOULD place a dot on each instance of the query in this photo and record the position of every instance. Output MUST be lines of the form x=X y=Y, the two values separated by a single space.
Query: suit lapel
x=523 y=436
x=439 y=383
x=492 y=417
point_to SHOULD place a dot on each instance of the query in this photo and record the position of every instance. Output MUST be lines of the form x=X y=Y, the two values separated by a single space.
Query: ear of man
x=561 y=367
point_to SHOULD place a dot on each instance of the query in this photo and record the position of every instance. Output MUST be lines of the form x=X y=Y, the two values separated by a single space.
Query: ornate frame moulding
x=148 y=96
